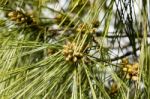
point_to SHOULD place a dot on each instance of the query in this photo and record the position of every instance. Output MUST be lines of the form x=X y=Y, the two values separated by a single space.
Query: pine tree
x=74 y=49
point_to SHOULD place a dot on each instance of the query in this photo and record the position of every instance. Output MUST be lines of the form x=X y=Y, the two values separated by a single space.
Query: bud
x=134 y=72
x=74 y=59
x=128 y=66
x=68 y=57
x=70 y=51
x=76 y=54
x=65 y=52
x=125 y=69
x=11 y=14
x=135 y=66
x=19 y=15
x=135 y=78
x=130 y=70
x=80 y=54
x=22 y=19
x=128 y=76
x=13 y=18
x=125 y=61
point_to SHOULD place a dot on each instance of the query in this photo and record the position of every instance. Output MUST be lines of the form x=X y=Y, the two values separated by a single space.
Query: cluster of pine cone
x=84 y=28
x=131 y=70
x=71 y=52
x=20 y=17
